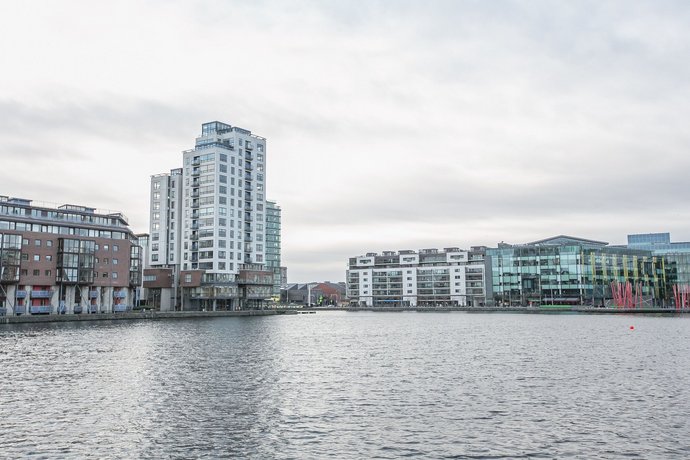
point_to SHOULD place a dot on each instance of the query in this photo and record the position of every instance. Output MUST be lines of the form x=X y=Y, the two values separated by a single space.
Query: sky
x=390 y=124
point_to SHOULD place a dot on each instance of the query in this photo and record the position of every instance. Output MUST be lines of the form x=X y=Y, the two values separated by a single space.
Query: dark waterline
x=348 y=385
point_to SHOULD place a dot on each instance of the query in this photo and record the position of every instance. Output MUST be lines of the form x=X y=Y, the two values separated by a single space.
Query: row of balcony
x=47 y=294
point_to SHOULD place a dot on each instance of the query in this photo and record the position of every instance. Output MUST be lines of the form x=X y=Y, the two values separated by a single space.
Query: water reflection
x=348 y=385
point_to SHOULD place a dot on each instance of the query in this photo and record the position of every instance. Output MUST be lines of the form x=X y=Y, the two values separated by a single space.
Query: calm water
x=349 y=385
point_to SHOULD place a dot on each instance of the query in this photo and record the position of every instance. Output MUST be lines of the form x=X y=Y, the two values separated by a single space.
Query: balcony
x=195 y=193
x=20 y=309
x=196 y=162
x=121 y=308
x=194 y=237
x=41 y=309
x=93 y=294
x=196 y=172
x=247 y=176
x=41 y=294
x=195 y=203
x=248 y=146
x=119 y=294
x=195 y=225
x=248 y=207
x=248 y=167
x=249 y=156
x=21 y=294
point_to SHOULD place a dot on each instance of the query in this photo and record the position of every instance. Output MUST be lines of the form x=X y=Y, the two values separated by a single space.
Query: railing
x=40 y=309
x=121 y=308
x=119 y=294
x=21 y=294
x=93 y=294
x=41 y=294
x=20 y=309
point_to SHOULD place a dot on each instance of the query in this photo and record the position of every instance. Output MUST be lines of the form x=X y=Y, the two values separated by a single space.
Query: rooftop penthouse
x=422 y=257
x=19 y=208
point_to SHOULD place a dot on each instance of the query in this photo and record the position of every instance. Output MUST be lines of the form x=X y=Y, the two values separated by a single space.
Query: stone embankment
x=137 y=315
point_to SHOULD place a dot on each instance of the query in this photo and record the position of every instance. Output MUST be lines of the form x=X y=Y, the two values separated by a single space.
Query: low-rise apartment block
x=428 y=277
x=65 y=259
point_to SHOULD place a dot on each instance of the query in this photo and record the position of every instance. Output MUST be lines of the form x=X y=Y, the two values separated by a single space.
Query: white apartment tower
x=208 y=218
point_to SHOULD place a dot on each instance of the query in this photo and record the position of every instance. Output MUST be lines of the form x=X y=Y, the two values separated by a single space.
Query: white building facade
x=428 y=277
x=208 y=218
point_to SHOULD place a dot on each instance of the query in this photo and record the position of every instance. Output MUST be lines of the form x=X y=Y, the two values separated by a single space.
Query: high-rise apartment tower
x=208 y=224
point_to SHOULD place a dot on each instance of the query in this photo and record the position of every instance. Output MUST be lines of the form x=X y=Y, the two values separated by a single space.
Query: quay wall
x=136 y=315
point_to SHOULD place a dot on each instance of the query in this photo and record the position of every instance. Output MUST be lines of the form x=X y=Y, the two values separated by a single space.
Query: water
x=349 y=385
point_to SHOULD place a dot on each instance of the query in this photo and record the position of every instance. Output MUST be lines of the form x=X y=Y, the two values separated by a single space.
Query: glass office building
x=572 y=271
x=676 y=255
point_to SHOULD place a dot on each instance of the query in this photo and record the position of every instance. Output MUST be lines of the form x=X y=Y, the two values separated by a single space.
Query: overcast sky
x=390 y=124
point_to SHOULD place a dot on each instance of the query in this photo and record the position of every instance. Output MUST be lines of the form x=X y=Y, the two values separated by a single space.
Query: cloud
x=390 y=124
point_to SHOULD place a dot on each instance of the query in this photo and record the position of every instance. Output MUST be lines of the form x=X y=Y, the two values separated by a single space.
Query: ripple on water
x=348 y=385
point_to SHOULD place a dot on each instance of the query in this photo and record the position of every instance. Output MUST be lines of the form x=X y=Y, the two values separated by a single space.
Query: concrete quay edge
x=150 y=315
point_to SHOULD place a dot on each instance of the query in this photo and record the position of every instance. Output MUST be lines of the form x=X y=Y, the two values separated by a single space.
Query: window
x=105 y=274
x=114 y=275
x=115 y=248
x=25 y=241
x=49 y=258
x=105 y=247
x=37 y=272
x=114 y=261
x=105 y=260
x=49 y=243
x=48 y=273
x=24 y=272
x=156 y=185
x=37 y=257
x=25 y=256
x=37 y=242
x=188 y=278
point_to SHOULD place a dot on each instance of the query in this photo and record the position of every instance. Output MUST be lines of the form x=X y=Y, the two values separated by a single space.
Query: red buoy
x=632 y=327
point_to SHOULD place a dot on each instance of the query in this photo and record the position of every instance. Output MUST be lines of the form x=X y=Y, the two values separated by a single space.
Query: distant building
x=676 y=255
x=273 y=223
x=571 y=271
x=67 y=258
x=208 y=225
x=314 y=294
x=428 y=277
x=283 y=277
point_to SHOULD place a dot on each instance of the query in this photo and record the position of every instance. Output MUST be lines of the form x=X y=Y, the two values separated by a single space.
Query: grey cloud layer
x=390 y=124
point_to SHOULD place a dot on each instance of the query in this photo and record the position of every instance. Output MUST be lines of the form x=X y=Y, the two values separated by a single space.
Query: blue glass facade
x=573 y=271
